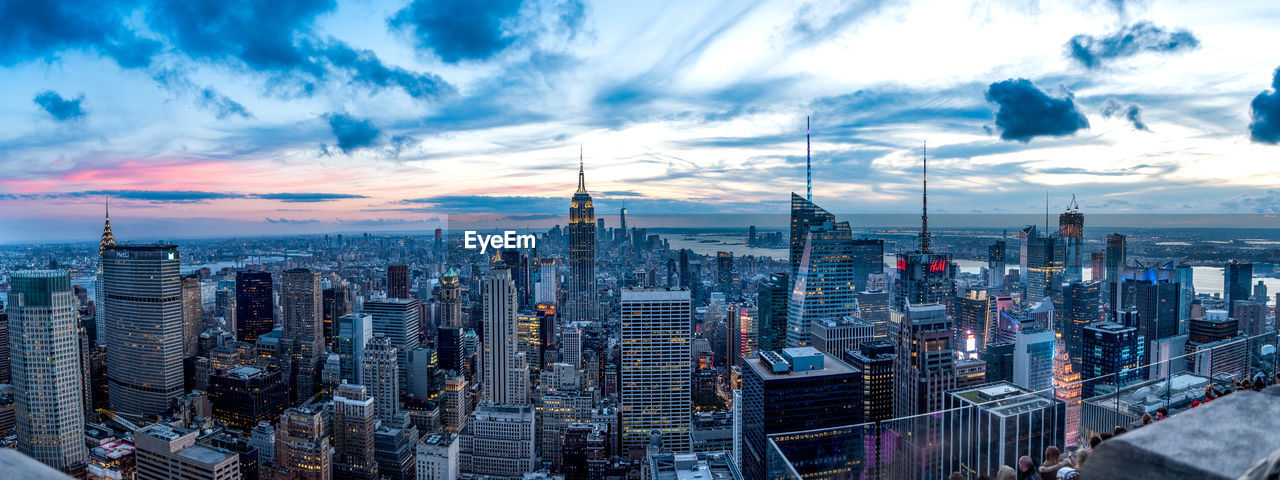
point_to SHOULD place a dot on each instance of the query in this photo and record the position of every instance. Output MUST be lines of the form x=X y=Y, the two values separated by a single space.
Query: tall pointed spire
x=808 y=164
x=108 y=238
x=582 y=181
x=924 y=198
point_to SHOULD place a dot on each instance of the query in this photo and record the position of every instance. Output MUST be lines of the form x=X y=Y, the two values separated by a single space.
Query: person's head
x=1106 y=435
x=1120 y=430
x=1162 y=412
x=1006 y=473
x=1257 y=386
x=1146 y=419
x=1195 y=404
x=1095 y=440
x=1052 y=455
x=955 y=476
x=1025 y=464
x=1245 y=384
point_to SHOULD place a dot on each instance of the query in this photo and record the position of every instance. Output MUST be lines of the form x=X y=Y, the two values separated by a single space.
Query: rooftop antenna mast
x=808 y=163
x=924 y=197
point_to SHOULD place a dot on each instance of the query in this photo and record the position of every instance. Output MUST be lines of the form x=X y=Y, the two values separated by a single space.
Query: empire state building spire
x=108 y=238
x=582 y=182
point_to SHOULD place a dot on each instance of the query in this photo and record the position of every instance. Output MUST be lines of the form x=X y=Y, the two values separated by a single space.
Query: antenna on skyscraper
x=924 y=198
x=1046 y=212
x=808 y=164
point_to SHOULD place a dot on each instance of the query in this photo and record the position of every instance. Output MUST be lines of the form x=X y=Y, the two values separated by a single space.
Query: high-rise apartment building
x=381 y=366
x=397 y=320
x=192 y=315
x=506 y=373
x=303 y=330
x=355 y=330
x=1080 y=302
x=45 y=368
x=996 y=264
x=255 y=305
x=975 y=320
x=656 y=357
x=1115 y=265
x=397 y=281
x=354 y=422
x=1237 y=284
x=771 y=312
x=241 y=396
x=302 y=445
x=144 y=328
x=498 y=442
x=875 y=361
x=1112 y=355
x=925 y=366
x=1033 y=358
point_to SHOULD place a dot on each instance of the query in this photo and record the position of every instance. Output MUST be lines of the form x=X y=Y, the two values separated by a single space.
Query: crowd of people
x=1065 y=466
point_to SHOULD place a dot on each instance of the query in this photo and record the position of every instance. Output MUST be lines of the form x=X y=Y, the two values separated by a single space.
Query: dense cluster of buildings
x=605 y=354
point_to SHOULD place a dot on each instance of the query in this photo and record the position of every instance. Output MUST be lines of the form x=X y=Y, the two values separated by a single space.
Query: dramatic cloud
x=1026 y=112
x=172 y=196
x=461 y=30
x=41 y=30
x=62 y=109
x=1115 y=109
x=1130 y=40
x=491 y=204
x=352 y=133
x=1264 y=123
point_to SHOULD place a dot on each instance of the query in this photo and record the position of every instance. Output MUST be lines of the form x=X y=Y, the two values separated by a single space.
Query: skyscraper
x=506 y=373
x=353 y=426
x=108 y=240
x=1157 y=306
x=355 y=330
x=581 y=301
x=1071 y=230
x=498 y=442
x=545 y=292
x=45 y=369
x=925 y=362
x=795 y=390
x=993 y=425
x=804 y=215
x=824 y=286
x=302 y=445
x=1080 y=301
x=656 y=367
x=1033 y=358
x=192 y=315
x=875 y=361
x=451 y=301
x=397 y=320
x=996 y=264
x=868 y=259
x=1115 y=264
x=975 y=319
x=144 y=328
x=303 y=330
x=242 y=396
x=1237 y=284
x=379 y=376
x=398 y=281
x=771 y=308
x=1046 y=266
x=165 y=452
x=337 y=302
x=255 y=305
x=1112 y=354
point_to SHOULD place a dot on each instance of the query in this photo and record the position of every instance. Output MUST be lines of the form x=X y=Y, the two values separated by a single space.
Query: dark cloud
x=62 y=109
x=222 y=105
x=492 y=204
x=1264 y=122
x=1025 y=112
x=621 y=193
x=1115 y=109
x=306 y=197
x=277 y=39
x=286 y=220
x=1093 y=52
x=41 y=30
x=352 y=133
x=462 y=30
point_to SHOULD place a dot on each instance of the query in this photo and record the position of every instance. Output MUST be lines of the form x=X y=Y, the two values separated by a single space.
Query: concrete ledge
x=17 y=466
x=1220 y=440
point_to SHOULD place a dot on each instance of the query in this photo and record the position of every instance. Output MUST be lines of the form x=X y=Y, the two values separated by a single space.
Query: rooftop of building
x=205 y=454
x=693 y=466
x=830 y=365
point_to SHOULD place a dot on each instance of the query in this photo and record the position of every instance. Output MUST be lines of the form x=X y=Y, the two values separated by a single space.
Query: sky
x=204 y=118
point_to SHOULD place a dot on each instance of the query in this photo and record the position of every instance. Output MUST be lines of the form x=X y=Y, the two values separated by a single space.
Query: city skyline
x=387 y=118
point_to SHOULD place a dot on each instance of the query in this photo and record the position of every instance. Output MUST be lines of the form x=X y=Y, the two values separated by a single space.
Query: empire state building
x=582 y=254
